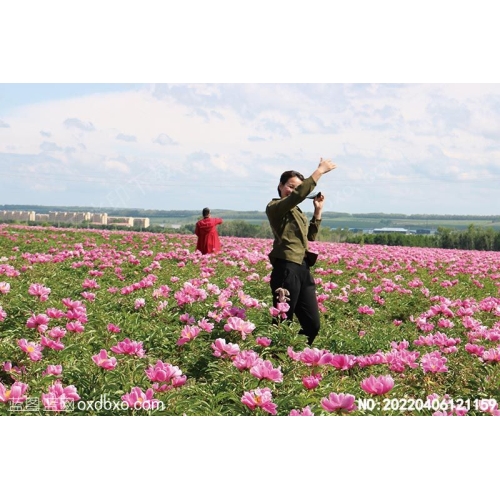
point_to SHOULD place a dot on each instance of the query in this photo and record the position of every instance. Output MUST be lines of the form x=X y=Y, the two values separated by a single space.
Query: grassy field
x=353 y=222
x=117 y=323
x=349 y=222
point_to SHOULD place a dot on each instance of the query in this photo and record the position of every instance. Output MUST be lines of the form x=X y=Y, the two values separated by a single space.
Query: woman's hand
x=318 y=201
x=318 y=206
x=323 y=168
x=326 y=165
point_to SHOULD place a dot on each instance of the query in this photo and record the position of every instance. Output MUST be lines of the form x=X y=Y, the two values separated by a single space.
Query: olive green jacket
x=290 y=226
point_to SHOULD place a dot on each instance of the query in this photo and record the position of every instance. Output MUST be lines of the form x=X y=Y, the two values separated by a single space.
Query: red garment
x=208 y=238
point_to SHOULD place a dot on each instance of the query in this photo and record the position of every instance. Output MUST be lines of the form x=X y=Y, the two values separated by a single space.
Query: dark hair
x=205 y=212
x=286 y=176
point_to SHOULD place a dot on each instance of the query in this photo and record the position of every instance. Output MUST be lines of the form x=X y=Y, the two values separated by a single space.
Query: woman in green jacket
x=291 y=275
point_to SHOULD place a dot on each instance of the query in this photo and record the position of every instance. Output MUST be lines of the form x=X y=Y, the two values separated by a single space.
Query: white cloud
x=386 y=140
x=50 y=146
x=116 y=165
x=126 y=138
x=165 y=140
x=79 y=124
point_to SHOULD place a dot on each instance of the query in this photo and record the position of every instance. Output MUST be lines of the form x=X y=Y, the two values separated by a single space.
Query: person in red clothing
x=206 y=230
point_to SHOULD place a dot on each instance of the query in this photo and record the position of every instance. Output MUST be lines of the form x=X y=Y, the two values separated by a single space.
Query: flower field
x=124 y=323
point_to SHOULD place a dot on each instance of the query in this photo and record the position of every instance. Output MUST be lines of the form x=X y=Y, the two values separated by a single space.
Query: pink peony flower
x=113 y=328
x=90 y=283
x=343 y=361
x=280 y=310
x=265 y=370
x=51 y=344
x=305 y=412
x=377 y=385
x=339 y=402
x=104 y=361
x=38 y=290
x=4 y=287
x=16 y=393
x=33 y=350
x=433 y=362
x=75 y=326
x=52 y=312
x=88 y=296
x=239 y=325
x=491 y=355
x=312 y=381
x=188 y=333
x=53 y=370
x=366 y=310
x=165 y=374
x=260 y=398
x=58 y=397
x=244 y=360
x=263 y=341
x=139 y=303
x=205 y=325
x=187 y=318
x=223 y=350
x=130 y=347
x=13 y=371
x=137 y=399
x=38 y=321
x=314 y=356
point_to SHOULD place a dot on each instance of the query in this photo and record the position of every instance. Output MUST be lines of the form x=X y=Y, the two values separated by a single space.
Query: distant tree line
x=389 y=217
x=241 y=215
x=473 y=238
x=238 y=228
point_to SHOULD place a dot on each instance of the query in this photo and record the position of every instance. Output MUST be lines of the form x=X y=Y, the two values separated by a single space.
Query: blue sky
x=399 y=148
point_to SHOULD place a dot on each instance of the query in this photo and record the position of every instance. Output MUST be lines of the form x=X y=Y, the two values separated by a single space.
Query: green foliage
x=474 y=238
x=214 y=386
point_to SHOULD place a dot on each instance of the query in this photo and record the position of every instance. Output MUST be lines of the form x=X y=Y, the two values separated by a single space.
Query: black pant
x=297 y=279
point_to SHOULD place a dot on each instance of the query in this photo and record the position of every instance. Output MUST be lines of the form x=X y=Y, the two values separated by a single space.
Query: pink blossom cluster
x=40 y=291
x=260 y=398
x=58 y=397
x=433 y=362
x=165 y=376
x=129 y=347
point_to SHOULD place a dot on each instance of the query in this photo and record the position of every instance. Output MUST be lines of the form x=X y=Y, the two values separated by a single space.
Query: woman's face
x=289 y=186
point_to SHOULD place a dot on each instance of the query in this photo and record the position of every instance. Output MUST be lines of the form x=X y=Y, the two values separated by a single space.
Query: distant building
x=141 y=222
x=69 y=217
x=99 y=219
x=121 y=221
x=94 y=219
x=17 y=215
x=399 y=230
